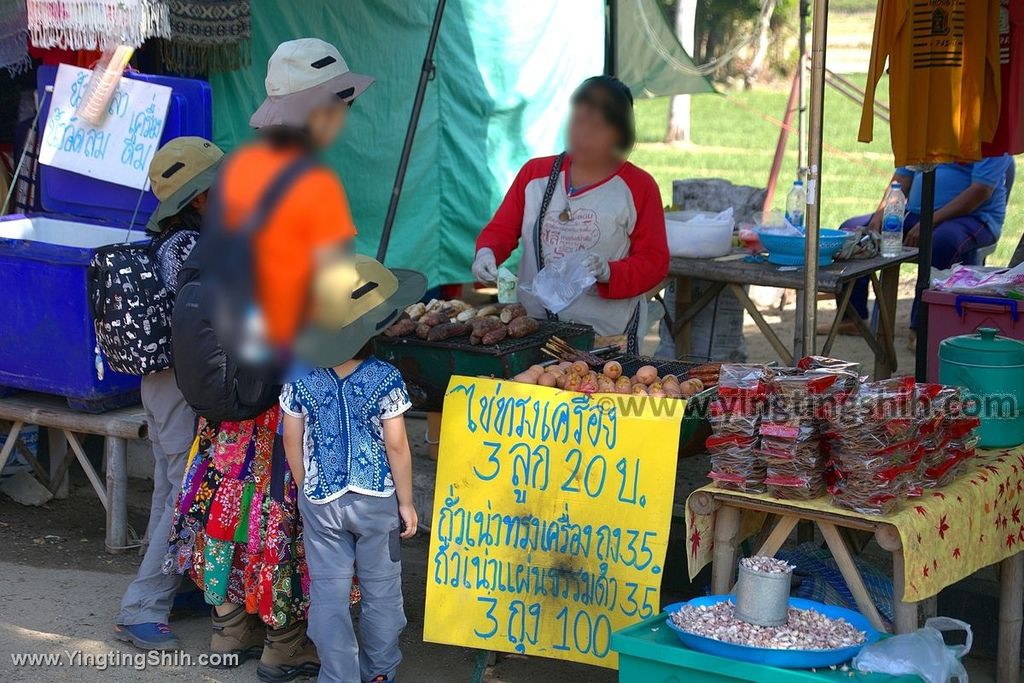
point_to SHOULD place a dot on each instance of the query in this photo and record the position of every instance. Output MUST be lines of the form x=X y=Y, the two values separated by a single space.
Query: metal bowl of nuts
x=815 y=635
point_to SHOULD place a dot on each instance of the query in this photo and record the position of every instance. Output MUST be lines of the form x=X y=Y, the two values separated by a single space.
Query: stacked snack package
x=792 y=447
x=875 y=447
x=735 y=420
x=948 y=435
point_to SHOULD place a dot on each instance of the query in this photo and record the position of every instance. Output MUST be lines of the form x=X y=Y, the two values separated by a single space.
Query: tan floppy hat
x=354 y=298
x=304 y=74
x=181 y=170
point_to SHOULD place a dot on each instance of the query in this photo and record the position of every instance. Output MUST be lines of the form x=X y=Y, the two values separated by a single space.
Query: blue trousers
x=952 y=242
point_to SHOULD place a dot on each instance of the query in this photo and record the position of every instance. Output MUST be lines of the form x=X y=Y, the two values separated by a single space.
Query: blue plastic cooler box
x=48 y=342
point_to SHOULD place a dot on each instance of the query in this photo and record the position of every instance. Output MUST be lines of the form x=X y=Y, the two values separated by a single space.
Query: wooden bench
x=65 y=425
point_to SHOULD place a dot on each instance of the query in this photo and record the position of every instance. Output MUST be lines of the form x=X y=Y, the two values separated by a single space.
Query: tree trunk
x=757 y=63
x=679 y=109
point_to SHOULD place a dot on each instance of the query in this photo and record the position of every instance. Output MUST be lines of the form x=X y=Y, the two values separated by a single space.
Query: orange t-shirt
x=944 y=81
x=314 y=214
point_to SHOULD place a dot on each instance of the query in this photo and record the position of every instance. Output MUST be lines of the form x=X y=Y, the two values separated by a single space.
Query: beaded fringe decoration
x=91 y=24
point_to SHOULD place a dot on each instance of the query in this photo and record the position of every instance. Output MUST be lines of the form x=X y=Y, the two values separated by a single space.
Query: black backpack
x=131 y=307
x=216 y=276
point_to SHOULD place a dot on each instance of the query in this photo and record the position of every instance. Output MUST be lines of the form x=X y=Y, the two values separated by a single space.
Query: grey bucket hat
x=302 y=75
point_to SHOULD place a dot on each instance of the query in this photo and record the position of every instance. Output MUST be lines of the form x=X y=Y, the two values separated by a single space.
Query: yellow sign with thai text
x=551 y=517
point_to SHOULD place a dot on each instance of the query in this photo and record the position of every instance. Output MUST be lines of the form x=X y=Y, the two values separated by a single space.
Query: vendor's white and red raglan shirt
x=620 y=218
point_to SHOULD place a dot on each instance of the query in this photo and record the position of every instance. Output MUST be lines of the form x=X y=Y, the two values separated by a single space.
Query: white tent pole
x=812 y=217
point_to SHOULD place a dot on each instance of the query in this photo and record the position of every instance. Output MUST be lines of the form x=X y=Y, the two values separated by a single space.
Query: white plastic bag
x=560 y=282
x=922 y=652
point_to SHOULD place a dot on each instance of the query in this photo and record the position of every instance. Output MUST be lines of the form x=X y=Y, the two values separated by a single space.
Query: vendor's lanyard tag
x=565 y=216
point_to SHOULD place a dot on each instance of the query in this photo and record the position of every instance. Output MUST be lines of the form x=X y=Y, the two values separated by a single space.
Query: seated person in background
x=970 y=205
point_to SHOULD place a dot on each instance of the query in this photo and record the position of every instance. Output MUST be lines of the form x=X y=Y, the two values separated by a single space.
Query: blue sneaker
x=148 y=636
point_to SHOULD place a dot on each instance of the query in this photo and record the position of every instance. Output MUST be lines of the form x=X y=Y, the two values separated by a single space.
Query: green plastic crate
x=649 y=652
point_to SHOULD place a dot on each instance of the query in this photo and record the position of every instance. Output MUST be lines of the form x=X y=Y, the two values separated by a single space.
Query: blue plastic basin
x=788 y=250
x=787 y=659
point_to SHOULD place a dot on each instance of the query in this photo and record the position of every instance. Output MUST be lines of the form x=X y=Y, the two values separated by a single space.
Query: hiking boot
x=237 y=633
x=288 y=654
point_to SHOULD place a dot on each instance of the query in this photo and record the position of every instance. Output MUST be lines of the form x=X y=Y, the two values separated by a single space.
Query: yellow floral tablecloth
x=947 y=533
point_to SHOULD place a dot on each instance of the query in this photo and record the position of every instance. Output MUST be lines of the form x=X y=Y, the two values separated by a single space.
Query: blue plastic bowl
x=786 y=659
x=788 y=250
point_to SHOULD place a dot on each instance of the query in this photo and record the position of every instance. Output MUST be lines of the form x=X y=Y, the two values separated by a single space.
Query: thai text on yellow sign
x=551 y=518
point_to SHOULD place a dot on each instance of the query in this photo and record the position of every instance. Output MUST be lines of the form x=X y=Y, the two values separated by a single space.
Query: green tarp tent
x=504 y=73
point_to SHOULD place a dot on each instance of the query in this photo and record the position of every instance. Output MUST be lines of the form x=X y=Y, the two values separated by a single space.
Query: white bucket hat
x=302 y=75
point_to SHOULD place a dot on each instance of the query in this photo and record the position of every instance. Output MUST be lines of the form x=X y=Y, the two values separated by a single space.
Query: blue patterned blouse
x=343 y=441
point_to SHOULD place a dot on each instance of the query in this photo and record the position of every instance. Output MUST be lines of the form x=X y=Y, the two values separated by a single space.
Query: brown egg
x=525 y=378
x=670 y=379
x=658 y=393
x=564 y=366
x=656 y=386
x=647 y=374
x=623 y=385
x=536 y=369
x=572 y=383
x=639 y=389
x=612 y=369
x=581 y=368
x=546 y=379
x=561 y=380
x=697 y=383
x=673 y=391
x=689 y=388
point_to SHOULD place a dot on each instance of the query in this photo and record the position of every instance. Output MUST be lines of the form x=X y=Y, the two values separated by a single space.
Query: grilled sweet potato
x=447 y=331
x=401 y=328
x=522 y=326
x=494 y=336
x=437 y=317
x=511 y=312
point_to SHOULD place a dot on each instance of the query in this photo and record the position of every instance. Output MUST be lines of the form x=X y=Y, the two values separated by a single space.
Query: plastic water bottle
x=894 y=209
x=796 y=204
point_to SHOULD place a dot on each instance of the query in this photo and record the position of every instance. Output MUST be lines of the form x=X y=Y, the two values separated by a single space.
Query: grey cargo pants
x=357 y=534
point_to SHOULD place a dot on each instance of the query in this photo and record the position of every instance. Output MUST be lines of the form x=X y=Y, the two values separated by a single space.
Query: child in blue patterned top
x=346 y=445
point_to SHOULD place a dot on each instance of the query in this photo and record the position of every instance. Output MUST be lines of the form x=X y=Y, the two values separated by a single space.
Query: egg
x=647 y=374
x=525 y=377
x=546 y=379
x=581 y=368
x=612 y=369
x=639 y=389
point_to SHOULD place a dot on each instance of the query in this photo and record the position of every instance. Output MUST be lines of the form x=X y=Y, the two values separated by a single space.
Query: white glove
x=598 y=267
x=485 y=268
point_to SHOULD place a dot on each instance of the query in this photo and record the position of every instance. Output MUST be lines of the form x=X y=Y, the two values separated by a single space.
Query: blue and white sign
x=118 y=151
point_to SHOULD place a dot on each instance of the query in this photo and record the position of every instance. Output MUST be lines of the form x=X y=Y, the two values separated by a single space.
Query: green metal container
x=649 y=652
x=991 y=368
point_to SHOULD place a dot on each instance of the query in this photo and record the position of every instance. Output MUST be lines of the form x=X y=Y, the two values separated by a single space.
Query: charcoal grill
x=695 y=427
x=427 y=366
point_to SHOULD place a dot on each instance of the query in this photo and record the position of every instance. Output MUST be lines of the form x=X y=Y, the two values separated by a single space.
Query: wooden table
x=733 y=273
x=787 y=515
x=116 y=426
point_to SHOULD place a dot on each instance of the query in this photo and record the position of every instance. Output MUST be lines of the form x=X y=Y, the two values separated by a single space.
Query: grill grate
x=548 y=329
x=679 y=368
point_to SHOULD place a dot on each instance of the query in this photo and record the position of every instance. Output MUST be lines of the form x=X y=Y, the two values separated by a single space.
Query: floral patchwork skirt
x=237 y=531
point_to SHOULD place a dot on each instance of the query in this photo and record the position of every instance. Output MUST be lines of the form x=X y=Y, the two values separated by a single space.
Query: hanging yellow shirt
x=943 y=77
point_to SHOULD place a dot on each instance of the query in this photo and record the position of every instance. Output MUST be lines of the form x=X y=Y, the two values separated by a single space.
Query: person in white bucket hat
x=303 y=76
x=261 y=612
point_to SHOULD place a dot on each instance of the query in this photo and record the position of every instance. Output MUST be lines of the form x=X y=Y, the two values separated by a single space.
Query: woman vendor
x=592 y=201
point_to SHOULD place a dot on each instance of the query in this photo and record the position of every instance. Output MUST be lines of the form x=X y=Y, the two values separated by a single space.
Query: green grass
x=732 y=140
